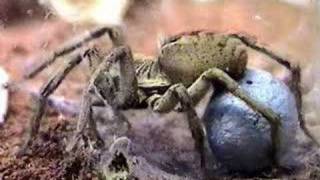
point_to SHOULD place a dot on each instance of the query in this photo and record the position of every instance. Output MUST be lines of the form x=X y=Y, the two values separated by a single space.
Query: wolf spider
x=187 y=65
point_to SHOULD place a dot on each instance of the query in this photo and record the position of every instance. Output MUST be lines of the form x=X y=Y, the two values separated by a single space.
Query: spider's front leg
x=41 y=101
x=166 y=102
x=88 y=100
x=112 y=84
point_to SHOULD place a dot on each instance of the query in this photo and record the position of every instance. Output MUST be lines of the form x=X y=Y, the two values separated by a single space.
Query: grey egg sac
x=240 y=137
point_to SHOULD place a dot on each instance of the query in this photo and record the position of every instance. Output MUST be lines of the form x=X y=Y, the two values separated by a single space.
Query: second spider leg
x=178 y=93
x=41 y=101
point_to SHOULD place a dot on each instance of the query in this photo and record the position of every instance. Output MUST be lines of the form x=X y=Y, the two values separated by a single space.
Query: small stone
x=239 y=137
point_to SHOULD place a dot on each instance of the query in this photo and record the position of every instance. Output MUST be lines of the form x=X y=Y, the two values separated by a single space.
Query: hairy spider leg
x=86 y=117
x=215 y=74
x=166 y=102
x=40 y=105
x=114 y=33
x=294 y=84
x=114 y=98
x=197 y=90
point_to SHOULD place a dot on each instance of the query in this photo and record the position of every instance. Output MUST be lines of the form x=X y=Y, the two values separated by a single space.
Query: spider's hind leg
x=295 y=86
x=295 y=80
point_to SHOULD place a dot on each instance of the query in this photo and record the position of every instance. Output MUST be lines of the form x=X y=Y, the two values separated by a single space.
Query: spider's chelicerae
x=187 y=65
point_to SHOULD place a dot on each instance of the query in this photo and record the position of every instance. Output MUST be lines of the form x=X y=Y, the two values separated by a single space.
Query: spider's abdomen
x=185 y=58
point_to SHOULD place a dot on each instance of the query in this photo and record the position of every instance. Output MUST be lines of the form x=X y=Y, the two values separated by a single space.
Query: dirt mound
x=49 y=159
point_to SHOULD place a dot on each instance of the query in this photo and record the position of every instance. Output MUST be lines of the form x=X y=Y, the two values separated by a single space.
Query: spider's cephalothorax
x=183 y=59
x=186 y=67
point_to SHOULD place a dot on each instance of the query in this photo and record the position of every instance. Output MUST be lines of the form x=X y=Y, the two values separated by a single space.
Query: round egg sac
x=239 y=137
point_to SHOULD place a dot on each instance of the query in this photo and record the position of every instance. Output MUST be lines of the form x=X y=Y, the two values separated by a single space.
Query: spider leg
x=295 y=87
x=189 y=97
x=85 y=117
x=166 y=102
x=215 y=74
x=251 y=42
x=114 y=34
x=115 y=96
x=118 y=89
x=40 y=105
x=295 y=82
